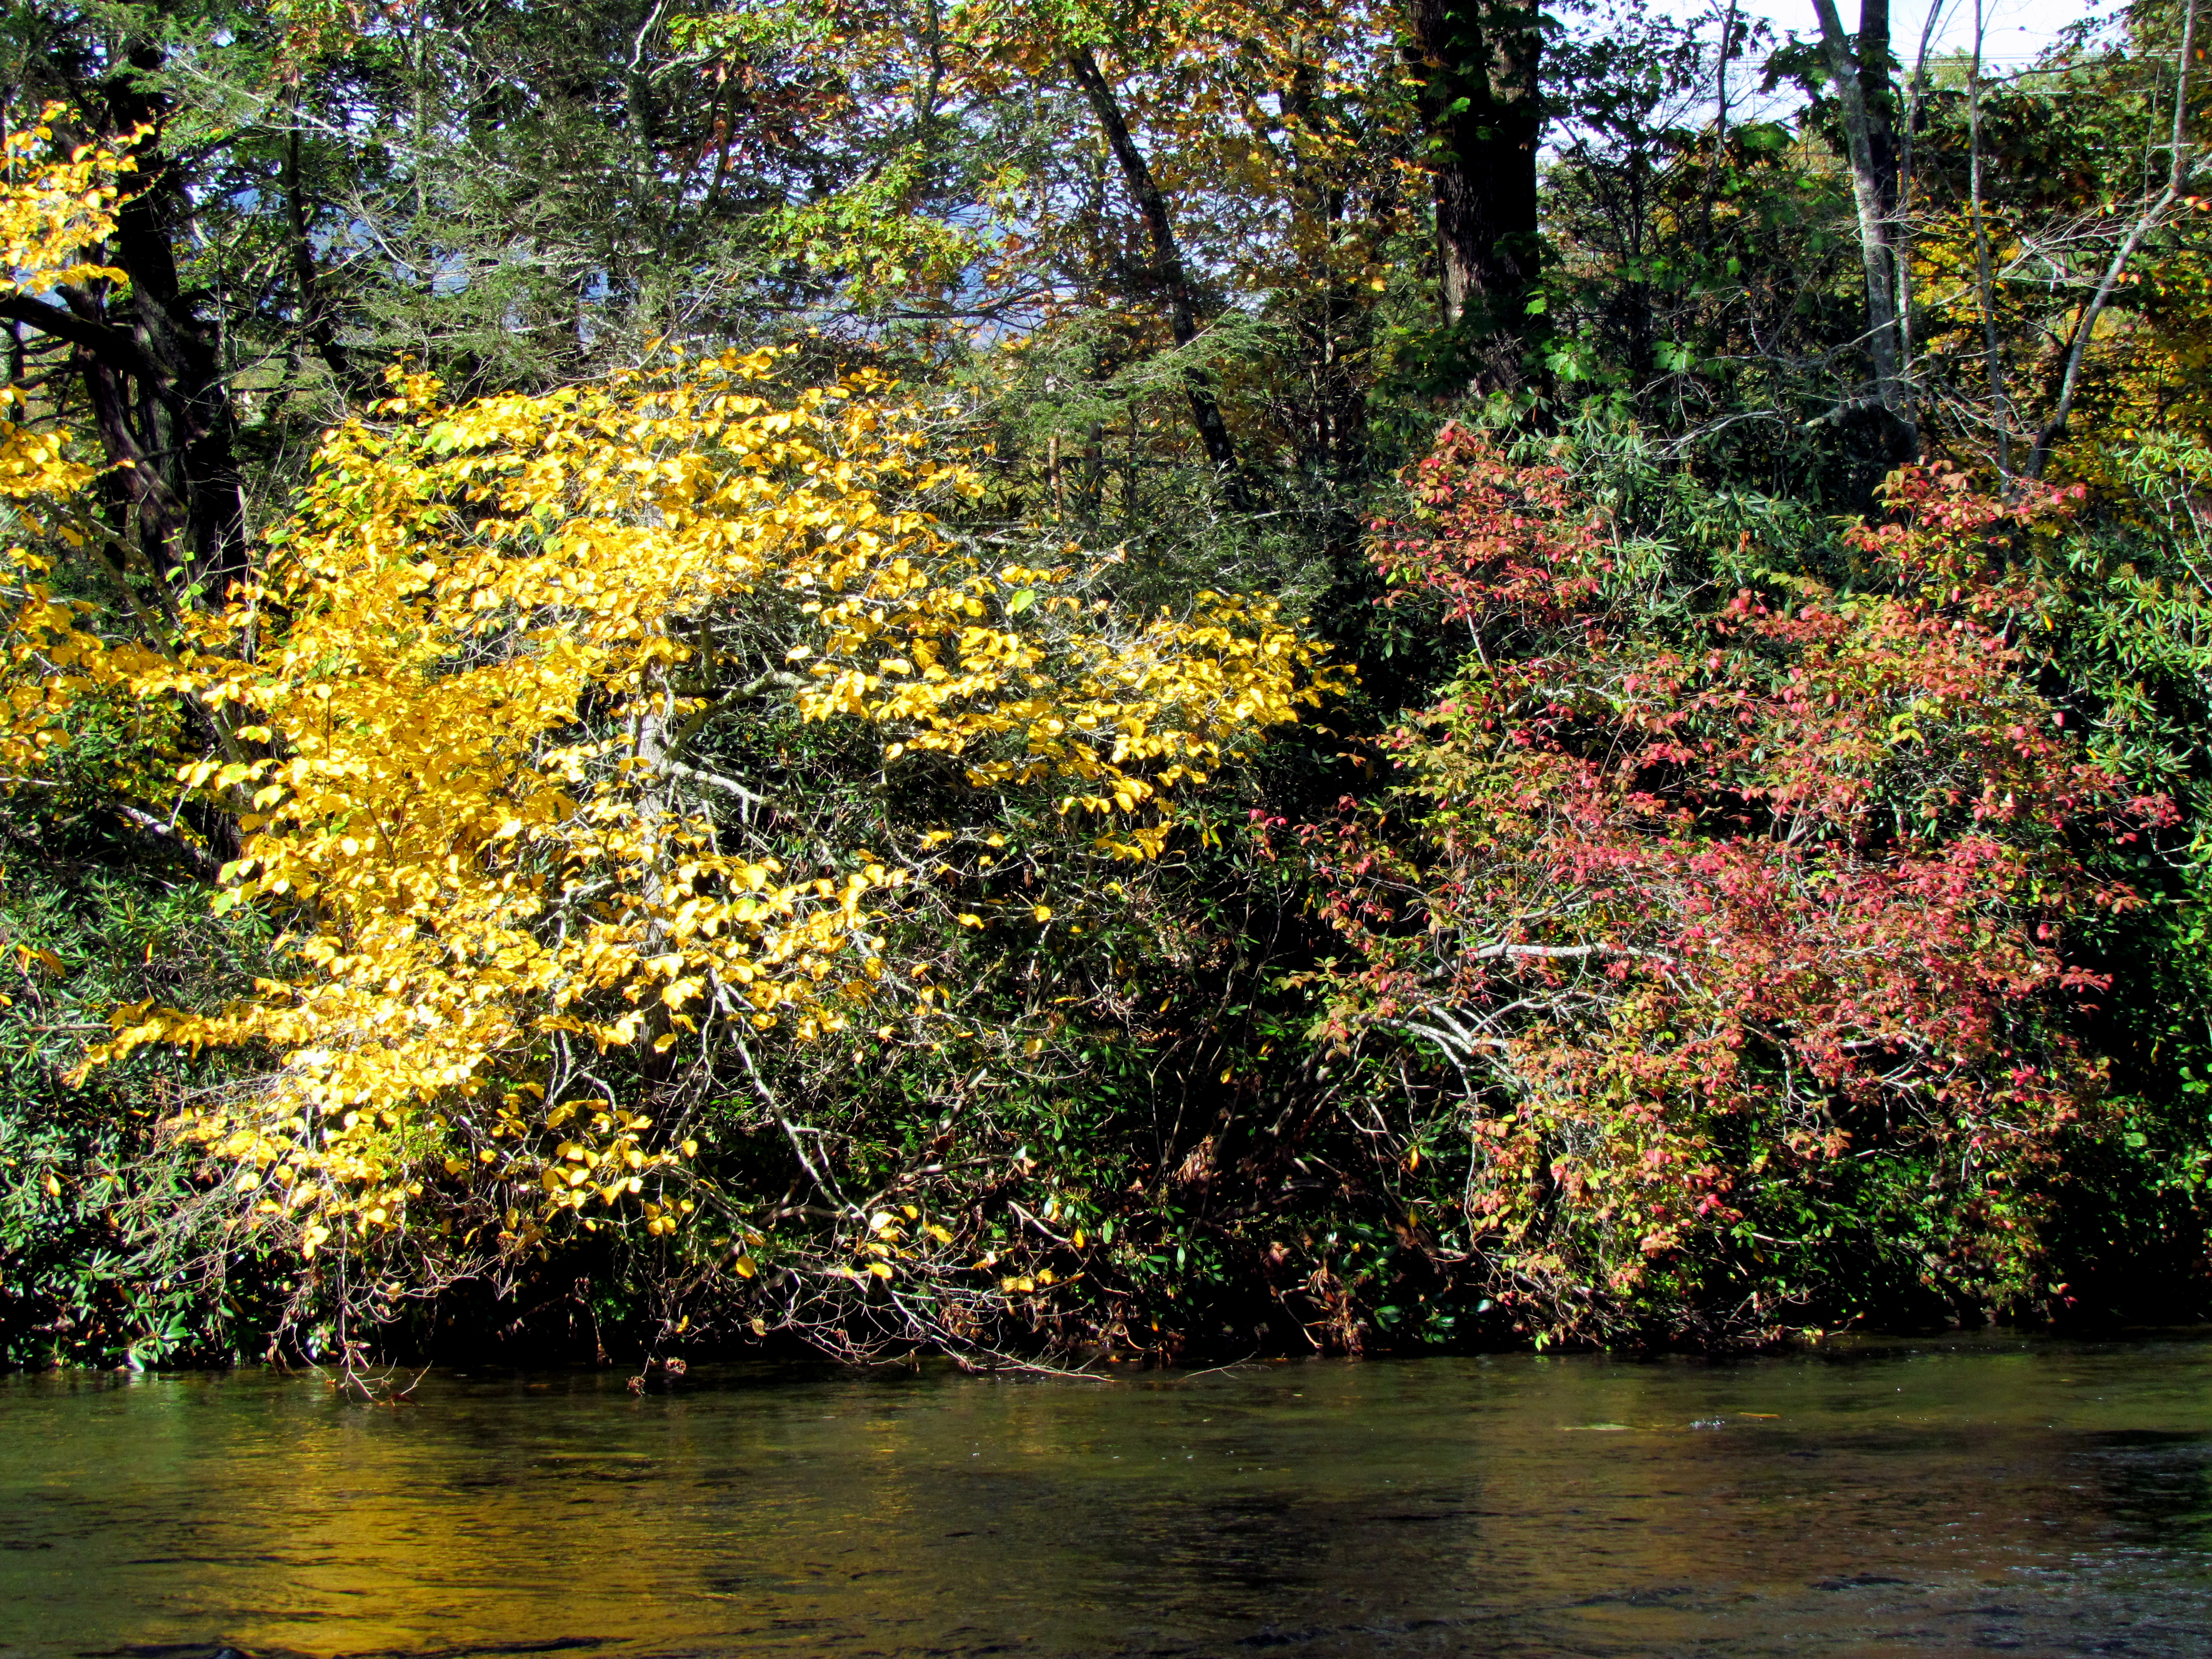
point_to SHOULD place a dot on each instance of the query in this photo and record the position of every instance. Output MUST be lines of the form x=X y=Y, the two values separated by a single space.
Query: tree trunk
x=1860 y=71
x=1168 y=269
x=1880 y=93
x=1477 y=61
x=194 y=523
x=149 y=367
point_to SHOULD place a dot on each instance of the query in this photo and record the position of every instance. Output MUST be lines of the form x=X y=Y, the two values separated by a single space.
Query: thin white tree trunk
x=2175 y=178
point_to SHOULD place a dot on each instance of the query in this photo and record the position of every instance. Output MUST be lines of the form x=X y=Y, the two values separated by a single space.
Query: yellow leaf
x=468 y=799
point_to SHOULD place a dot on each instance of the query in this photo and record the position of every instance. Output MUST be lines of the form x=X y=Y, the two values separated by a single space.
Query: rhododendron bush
x=1687 y=923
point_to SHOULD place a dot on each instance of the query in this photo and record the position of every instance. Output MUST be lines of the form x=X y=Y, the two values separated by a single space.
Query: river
x=1943 y=1496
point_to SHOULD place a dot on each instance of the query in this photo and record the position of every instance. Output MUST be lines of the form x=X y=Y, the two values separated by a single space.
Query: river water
x=1937 y=1496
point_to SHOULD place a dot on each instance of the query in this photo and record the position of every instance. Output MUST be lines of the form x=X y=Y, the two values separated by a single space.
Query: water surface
x=1942 y=1497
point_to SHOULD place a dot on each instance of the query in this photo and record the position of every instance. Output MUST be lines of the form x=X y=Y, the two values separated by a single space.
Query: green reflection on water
x=2040 y=1497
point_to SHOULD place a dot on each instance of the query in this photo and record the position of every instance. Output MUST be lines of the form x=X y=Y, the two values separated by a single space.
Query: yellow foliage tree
x=455 y=717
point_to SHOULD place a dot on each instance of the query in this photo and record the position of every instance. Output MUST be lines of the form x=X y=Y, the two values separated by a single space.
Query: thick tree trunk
x=1477 y=62
x=183 y=416
x=149 y=367
x=1860 y=69
x=1880 y=93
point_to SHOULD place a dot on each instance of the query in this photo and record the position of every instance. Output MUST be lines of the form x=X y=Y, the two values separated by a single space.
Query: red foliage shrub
x=1699 y=899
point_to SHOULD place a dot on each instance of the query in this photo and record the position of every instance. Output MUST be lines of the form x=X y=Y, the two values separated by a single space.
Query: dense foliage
x=1053 y=680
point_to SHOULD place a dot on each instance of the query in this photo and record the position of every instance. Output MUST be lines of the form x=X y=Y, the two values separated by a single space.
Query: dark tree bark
x=1860 y=68
x=185 y=425
x=1169 y=272
x=149 y=364
x=1477 y=63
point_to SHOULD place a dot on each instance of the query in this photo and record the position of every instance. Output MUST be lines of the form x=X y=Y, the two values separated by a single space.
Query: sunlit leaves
x=457 y=714
x=54 y=205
